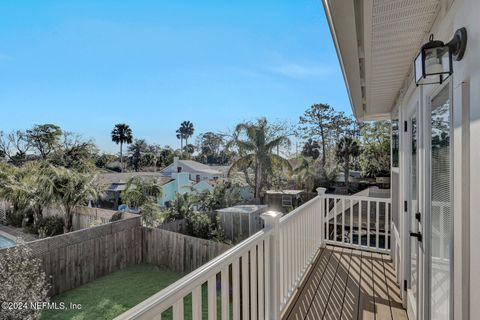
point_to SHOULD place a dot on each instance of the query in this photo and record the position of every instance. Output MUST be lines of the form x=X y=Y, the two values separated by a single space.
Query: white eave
x=376 y=43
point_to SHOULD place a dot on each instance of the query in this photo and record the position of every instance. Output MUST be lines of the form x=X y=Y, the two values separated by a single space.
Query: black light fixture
x=433 y=63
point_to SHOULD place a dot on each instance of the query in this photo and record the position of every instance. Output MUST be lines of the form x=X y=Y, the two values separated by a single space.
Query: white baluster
x=178 y=310
x=253 y=283
x=236 y=289
x=351 y=221
x=359 y=240
x=368 y=223
x=377 y=224
x=335 y=219
x=225 y=294
x=343 y=219
x=212 y=298
x=197 y=303
x=245 y=288
x=261 y=287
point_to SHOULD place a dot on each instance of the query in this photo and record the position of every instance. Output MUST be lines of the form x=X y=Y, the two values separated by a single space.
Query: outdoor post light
x=433 y=63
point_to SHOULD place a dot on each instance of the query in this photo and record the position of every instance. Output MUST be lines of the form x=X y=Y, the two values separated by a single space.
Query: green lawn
x=109 y=296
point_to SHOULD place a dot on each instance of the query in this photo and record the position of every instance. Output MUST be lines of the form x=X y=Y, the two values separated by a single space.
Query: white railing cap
x=321 y=191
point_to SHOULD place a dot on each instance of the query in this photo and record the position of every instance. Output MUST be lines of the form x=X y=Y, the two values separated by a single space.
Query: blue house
x=181 y=184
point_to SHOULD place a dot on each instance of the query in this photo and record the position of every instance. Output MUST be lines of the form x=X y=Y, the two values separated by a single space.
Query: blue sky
x=86 y=65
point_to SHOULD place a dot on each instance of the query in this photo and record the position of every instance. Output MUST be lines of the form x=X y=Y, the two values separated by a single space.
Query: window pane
x=441 y=205
x=395 y=142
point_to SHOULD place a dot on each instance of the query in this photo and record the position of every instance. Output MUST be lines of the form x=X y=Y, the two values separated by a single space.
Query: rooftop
x=121 y=178
x=200 y=166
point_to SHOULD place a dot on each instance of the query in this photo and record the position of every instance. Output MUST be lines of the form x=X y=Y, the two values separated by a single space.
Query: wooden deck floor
x=348 y=284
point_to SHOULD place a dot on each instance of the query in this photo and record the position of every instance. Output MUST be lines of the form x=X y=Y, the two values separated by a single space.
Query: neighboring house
x=180 y=183
x=435 y=183
x=196 y=170
x=116 y=182
x=177 y=183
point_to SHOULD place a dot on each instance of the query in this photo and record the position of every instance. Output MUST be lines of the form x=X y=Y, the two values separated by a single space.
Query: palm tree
x=257 y=151
x=12 y=188
x=186 y=127
x=346 y=150
x=138 y=192
x=35 y=189
x=121 y=134
x=184 y=132
x=180 y=137
x=305 y=173
x=26 y=188
x=70 y=189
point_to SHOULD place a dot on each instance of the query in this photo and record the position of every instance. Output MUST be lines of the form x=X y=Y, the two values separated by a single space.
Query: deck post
x=272 y=220
x=321 y=194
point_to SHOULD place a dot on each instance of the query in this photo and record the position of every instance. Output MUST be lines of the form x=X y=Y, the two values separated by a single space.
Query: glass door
x=413 y=219
x=441 y=205
x=413 y=223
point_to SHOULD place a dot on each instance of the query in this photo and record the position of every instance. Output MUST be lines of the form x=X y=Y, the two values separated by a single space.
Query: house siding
x=465 y=97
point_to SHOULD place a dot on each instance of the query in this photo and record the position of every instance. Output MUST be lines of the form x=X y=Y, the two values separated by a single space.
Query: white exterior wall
x=465 y=95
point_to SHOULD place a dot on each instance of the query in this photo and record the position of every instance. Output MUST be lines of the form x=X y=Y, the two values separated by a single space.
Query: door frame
x=414 y=108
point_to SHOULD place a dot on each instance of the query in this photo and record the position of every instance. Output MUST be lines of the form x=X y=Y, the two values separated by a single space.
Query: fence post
x=272 y=220
x=321 y=194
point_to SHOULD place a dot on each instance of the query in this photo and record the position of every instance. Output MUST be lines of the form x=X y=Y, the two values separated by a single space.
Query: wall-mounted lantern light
x=433 y=63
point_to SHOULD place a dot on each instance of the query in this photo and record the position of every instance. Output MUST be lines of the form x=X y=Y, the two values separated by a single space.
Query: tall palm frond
x=255 y=146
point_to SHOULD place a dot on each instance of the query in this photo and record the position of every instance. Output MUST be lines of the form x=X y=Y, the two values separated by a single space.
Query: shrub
x=14 y=218
x=50 y=226
x=116 y=216
x=152 y=215
x=23 y=280
x=199 y=225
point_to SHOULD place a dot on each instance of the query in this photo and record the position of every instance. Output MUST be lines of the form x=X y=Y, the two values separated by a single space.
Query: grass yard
x=111 y=295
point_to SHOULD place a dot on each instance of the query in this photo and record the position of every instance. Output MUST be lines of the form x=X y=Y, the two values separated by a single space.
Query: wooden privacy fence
x=83 y=217
x=76 y=258
x=179 y=226
x=178 y=252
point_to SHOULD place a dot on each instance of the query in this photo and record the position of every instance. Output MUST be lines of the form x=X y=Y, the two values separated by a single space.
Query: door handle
x=417 y=235
x=418 y=216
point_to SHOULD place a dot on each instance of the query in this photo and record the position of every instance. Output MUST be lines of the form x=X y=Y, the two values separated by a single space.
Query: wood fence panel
x=73 y=259
x=178 y=252
x=76 y=258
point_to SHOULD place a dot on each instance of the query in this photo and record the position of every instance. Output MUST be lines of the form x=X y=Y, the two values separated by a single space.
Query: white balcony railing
x=300 y=238
x=357 y=221
x=258 y=278
x=239 y=275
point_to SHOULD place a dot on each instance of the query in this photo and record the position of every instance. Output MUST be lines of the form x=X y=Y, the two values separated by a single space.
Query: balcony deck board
x=348 y=284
